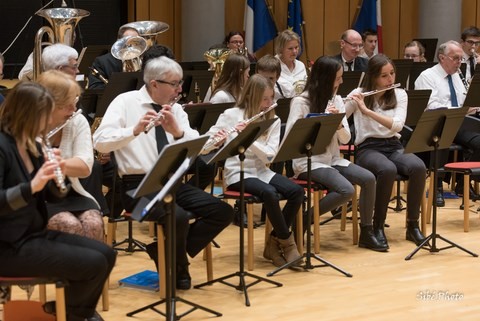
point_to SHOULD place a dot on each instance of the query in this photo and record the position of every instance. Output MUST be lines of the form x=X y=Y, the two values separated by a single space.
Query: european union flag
x=259 y=25
x=367 y=18
x=294 y=18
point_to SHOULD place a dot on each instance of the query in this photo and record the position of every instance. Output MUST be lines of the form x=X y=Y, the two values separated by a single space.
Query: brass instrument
x=52 y=133
x=147 y=30
x=215 y=140
x=243 y=51
x=197 y=92
x=63 y=22
x=98 y=75
x=299 y=86
x=160 y=116
x=216 y=58
x=376 y=91
x=129 y=50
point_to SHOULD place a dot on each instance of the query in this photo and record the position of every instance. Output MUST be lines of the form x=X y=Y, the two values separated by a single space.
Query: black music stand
x=417 y=103
x=238 y=146
x=415 y=71
x=283 y=109
x=173 y=161
x=402 y=71
x=203 y=116
x=436 y=130
x=307 y=137
x=351 y=80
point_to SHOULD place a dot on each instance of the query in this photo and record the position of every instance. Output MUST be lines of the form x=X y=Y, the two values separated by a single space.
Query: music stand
x=417 y=103
x=351 y=80
x=238 y=146
x=402 y=70
x=204 y=115
x=173 y=161
x=415 y=71
x=307 y=137
x=430 y=45
x=92 y=52
x=473 y=93
x=203 y=78
x=283 y=109
x=436 y=130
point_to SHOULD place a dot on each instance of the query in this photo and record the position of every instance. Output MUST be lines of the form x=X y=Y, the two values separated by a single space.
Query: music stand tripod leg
x=242 y=285
x=308 y=254
x=170 y=267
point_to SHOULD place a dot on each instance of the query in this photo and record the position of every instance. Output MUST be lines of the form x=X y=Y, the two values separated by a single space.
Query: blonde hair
x=252 y=96
x=284 y=37
x=62 y=87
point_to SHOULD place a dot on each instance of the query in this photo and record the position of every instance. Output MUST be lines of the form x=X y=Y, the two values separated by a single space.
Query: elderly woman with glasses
x=78 y=212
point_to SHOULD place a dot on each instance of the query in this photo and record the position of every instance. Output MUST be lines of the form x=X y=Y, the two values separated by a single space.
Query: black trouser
x=83 y=262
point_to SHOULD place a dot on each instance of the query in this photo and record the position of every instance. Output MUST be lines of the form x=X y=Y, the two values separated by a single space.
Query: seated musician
x=122 y=131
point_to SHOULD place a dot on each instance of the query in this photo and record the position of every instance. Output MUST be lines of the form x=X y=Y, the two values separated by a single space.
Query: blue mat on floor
x=448 y=195
x=147 y=280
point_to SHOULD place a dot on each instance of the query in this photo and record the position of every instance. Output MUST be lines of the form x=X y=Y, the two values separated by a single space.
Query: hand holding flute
x=155 y=121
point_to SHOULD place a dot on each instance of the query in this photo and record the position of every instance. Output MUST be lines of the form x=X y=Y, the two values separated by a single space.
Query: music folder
x=172 y=162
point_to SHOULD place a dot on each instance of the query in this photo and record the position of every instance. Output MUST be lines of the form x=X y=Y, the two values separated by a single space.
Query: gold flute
x=160 y=116
x=376 y=91
x=214 y=140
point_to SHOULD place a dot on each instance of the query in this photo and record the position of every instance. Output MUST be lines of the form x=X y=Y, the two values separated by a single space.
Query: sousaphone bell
x=130 y=50
x=147 y=29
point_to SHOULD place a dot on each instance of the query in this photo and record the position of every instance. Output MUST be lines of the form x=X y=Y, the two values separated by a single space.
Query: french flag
x=259 y=25
x=370 y=17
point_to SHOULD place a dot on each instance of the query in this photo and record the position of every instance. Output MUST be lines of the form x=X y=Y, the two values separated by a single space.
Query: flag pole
x=357 y=12
x=304 y=39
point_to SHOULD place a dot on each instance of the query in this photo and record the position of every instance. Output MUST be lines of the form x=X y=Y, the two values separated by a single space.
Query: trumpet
x=62 y=188
x=376 y=91
x=160 y=116
x=52 y=133
x=214 y=140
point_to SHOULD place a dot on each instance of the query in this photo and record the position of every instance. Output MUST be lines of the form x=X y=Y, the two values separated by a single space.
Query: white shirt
x=466 y=61
x=260 y=153
x=76 y=142
x=299 y=108
x=134 y=154
x=288 y=79
x=221 y=97
x=435 y=78
x=366 y=127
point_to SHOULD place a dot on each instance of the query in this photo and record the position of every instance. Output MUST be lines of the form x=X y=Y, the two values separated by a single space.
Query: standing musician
x=378 y=120
x=78 y=212
x=329 y=168
x=27 y=248
x=259 y=179
x=235 y=73
x=122 y=131
x=293 y=75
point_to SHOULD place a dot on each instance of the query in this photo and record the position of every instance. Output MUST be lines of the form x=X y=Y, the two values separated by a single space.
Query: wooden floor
x=440 y=286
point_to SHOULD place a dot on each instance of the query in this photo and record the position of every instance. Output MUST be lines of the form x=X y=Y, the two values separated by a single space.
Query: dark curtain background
x=100 y=28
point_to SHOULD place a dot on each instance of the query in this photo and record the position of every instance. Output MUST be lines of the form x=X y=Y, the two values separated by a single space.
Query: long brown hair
x=20 y=114
x=321 y=82
x=252 y=96
x=231 y=79
x=375 y=65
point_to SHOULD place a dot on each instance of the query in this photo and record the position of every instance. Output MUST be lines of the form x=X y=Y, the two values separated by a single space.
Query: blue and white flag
x=259 y=25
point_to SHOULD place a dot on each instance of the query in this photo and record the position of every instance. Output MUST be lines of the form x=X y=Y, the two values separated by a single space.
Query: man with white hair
x=57 y=56
x=122 y=131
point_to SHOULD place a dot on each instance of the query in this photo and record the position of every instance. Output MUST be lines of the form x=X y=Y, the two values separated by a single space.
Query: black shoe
x=414 y=234
x=369 y=241
x=50 y=307
x=472 y=195
x=439 y=200
x=95 y=317
x=380 y=236
x=184 y=281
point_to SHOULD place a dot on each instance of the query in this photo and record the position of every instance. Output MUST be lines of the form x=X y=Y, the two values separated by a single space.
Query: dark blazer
x=359 y=64
x=106 y=65
x=21 y=213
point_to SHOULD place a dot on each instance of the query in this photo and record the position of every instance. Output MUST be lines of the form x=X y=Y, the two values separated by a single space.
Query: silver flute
x=59 y=178
x=160 y=116
x=51 y=133
x=214 y=140
x=376 y=91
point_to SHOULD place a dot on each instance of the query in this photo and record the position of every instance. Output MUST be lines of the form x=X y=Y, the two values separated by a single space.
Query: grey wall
x=440 y=19
x=203 y=25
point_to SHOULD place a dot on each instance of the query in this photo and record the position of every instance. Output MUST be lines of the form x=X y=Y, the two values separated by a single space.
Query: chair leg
x=209 y=261
x=466 y=202
x=317 y=195
x=61 y=312
x=42 y=289
x=299 y=227
x=162 y=273
x=430 y=198
x=250 y=251
x=355 y=216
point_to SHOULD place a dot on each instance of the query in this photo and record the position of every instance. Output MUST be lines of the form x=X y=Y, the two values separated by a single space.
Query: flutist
x=378 y=120
x=77 y=212
x=260 y=180
x=122 y=131
x=27 y=247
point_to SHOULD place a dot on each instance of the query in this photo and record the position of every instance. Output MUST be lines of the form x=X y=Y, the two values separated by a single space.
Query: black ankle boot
x=379 y=232
x=369 y=241
x=413 y=233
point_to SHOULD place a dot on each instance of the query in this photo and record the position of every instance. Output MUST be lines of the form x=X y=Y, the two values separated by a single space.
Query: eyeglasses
x=174 y=84
x=473 y=43
x=410 y=56
x=454 y=59
x=354 y=46
x=237 y=42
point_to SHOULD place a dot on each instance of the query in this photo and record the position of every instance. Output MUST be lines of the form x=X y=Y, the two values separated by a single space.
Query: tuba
x=216 y=58
x=129 y=50
x=147 y=30
x=63 y=22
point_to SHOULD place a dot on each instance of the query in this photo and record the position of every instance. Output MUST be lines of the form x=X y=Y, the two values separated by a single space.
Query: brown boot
x=272 y=251
x=289 y=248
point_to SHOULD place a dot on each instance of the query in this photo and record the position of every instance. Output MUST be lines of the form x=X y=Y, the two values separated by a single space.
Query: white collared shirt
x=288 y=78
